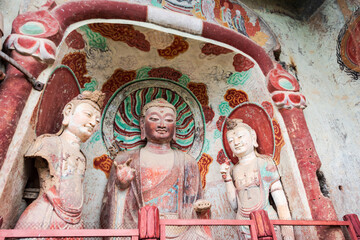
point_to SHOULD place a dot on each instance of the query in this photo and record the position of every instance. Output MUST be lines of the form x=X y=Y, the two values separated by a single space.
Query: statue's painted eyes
x=153 y=118
x=88 y=114
x=169 y=120
x=230 y=140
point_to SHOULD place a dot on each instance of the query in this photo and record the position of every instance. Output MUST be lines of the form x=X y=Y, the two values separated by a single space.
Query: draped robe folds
x=120 y=206
x=60 y=201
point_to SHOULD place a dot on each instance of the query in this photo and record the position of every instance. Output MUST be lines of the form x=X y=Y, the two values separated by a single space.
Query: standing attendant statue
x=250 y=181
x=155 y=175
x=61 y=167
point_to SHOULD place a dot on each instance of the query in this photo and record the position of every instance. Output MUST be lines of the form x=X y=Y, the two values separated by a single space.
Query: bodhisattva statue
x=61 y=167
x=154 y=175
x=250 y=181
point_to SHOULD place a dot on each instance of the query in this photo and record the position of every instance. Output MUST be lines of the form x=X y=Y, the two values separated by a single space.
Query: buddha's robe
x=174 y=194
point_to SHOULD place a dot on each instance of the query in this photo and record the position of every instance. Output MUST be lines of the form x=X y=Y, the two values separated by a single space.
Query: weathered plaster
x=333 y=101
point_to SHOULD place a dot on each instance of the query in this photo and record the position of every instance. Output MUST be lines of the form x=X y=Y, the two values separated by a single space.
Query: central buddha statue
x=154 y=175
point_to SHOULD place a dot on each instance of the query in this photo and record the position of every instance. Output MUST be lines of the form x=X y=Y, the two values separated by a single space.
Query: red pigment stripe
x=133 y=105
x=186 y=122
x=125 y=133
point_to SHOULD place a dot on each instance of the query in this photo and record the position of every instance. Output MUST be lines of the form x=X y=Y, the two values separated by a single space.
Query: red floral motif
x=178 y=46
x=75 y=40
x=221 y=157
x=235 y=97
x=204 y=164
x=165 y=72
x=103 y=163
x=200 y=92
x=268 y=107
x=122 y=32
x=210 y=48
x=279 y=141
x=77 y=63
x=242 y=63
x=209 y=113
x=220 y=122
x=117 y=79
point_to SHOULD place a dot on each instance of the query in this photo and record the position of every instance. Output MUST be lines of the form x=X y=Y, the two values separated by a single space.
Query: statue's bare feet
x=202 y=206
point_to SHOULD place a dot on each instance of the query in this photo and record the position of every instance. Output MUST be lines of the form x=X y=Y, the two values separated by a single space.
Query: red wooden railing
x=151 y=227
x=73 y=233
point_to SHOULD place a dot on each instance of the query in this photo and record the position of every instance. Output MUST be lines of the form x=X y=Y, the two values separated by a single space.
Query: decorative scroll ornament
x=284 y=89
x=288 y=100
x=43 y=49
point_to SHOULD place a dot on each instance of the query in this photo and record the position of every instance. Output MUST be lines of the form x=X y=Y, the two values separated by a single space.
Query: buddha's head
x=158 y=121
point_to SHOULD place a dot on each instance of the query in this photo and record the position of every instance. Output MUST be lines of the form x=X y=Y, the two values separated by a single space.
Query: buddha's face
x=83 y=120
x=159 y=124
x=241 y=141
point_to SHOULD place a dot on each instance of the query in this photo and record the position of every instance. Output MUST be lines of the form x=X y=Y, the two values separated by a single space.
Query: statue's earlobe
x=67 y=113
x=254 y=139
x=174 y=136
x=142 y=129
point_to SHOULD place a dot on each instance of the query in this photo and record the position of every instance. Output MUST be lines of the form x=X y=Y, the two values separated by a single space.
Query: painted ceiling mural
x=233 y=15
x=230 y=14
x=133 y=65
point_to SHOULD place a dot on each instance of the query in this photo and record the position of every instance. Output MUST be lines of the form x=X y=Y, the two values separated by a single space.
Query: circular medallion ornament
x=40 y=24
x=257 y=118
x=281 y=80
x=120 y=124
x=32 y=28
x=348 y=48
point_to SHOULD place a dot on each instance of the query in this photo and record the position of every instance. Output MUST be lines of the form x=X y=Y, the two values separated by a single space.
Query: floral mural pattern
x=212 y=49
x=117 y=79
x=242 y=63
x=103 y=163
x=122 y=32
x=178 y=46
x=200 y=91
x=77 y=63
x=235 y=97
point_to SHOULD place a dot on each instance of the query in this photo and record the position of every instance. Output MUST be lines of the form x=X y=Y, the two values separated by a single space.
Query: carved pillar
x=285 y=93
x=149 y=225
x=30 y=48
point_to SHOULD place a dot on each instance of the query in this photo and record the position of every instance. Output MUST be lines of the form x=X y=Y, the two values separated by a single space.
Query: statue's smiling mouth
x=161 y=131
x=89 y=128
